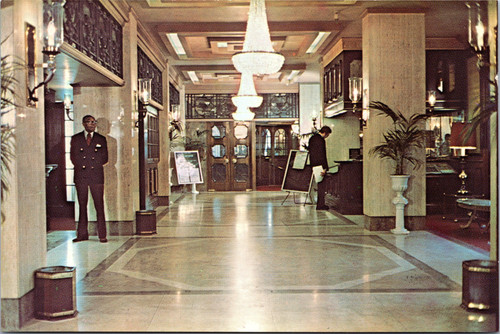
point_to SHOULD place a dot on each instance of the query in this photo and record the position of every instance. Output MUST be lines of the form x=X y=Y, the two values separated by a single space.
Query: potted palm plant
x=8 y=93
x=400 y=145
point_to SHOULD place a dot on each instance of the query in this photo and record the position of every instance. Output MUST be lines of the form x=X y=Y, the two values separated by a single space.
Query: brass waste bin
x=480 y=285
x=55 y=292
x=145 y=222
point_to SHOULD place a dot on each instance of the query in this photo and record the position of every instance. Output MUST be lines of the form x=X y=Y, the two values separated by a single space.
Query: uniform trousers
x=97 y=191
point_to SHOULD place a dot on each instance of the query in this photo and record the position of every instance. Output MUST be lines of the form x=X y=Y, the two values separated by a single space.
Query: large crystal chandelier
x=247 y=98
x=258 y=56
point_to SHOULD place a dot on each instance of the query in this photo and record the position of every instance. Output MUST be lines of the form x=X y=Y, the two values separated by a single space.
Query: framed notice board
x=297 y=179
x=188 y=167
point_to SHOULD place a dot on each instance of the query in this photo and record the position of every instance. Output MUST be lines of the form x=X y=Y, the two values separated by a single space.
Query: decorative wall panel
x=146 y=69
x=174 y=95
x=220 y=106
x=91 y=29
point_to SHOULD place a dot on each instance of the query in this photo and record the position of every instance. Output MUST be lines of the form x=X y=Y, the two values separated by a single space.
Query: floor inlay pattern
x=196 y=265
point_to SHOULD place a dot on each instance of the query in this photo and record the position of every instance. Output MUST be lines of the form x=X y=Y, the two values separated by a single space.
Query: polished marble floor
x=248 y=262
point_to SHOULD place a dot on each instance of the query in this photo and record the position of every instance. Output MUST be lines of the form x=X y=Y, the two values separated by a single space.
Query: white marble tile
x=244 y=262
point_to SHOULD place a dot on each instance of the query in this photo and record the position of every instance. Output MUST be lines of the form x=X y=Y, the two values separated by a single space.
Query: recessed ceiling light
x=317 y=42
x=176 y=44
x=193 y=76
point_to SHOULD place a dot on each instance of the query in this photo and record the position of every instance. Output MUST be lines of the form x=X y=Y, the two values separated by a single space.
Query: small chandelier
x=258 y=56
x=247 y=96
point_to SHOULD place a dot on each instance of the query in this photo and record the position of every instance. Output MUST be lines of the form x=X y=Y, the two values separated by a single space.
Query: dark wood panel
x=345 y=188
x=57 y=206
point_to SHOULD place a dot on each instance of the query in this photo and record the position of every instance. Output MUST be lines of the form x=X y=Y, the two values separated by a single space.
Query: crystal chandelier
x=243 y=114
x=247 y=98
x=258 y=56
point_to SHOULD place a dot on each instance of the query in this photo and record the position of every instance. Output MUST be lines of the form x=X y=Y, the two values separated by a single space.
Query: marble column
x=164 y=163
x=23 y=228
x=393 y=73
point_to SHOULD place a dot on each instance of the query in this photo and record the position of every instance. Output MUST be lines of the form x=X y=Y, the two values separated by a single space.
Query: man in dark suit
x=317 y=157
x=89 y=152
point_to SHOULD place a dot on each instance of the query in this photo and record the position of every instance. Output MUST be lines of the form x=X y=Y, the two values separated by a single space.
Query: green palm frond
x=9 y=82
x=482 y=113
x=399 y=142
x=7 y=148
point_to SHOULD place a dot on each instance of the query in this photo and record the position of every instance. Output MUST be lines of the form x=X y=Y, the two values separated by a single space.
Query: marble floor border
x=441 y=278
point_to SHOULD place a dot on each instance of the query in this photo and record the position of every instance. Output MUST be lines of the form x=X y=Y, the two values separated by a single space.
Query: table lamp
x=460 y=147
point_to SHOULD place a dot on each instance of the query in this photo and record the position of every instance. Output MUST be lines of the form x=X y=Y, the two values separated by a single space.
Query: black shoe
x=80 y=239
x=104 y=240
x=324 y=207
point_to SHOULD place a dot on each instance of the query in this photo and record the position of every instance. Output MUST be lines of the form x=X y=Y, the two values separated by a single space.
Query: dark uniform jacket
x=88 y=160
x=317 y=151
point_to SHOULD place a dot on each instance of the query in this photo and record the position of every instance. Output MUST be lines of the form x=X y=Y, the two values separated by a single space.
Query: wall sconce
x=478 y=28
x=67 y=105
x=144 y=91
x=431 y=99
x=296 y=128
x=53 y=37
x=174 y=113
x=355 y=89
x=144 y=99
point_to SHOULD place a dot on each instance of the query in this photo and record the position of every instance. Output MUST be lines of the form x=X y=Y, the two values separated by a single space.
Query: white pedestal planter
x=399 y=185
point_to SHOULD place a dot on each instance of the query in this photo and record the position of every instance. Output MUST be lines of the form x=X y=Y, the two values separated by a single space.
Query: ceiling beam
x=210 y=27
x=246 y=3
x=230 y=68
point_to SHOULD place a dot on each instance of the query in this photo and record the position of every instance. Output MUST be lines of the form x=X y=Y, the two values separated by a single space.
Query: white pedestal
x=193 y=189
x=399 y=185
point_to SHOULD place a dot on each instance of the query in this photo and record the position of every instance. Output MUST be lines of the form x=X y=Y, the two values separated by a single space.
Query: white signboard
x=188 y=167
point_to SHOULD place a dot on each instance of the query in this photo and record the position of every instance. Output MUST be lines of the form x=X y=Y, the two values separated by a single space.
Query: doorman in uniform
x=89 y=152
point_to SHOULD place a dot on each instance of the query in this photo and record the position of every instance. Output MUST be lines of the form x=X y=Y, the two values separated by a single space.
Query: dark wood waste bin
x=55 y=292
x=145 y=222
x=480 y=285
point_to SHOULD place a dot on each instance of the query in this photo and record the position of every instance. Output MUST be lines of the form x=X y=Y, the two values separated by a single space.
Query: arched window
x=280 y=148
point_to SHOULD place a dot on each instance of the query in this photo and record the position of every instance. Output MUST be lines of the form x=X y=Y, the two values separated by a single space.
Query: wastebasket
x=480 y=285
x=55 y=292
x=145 y=222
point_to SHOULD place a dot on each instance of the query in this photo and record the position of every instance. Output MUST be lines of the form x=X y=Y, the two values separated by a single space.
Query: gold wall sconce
x=478 y=29
x=67 y=105
x=53 y=36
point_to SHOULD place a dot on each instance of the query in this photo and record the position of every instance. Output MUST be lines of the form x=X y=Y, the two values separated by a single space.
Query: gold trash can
x=480 y=285
x=145 y=222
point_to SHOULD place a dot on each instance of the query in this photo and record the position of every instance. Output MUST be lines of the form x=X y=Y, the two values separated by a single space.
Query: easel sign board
x=297 y=180
x=188 y=167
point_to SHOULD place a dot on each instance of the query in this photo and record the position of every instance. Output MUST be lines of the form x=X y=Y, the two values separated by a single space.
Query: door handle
x=226 y=161
x=235 y=160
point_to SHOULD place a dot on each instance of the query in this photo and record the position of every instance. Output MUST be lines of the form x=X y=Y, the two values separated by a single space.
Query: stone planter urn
x=399 y=185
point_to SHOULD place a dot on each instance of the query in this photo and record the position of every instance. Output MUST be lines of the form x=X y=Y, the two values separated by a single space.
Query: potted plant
x=8 y=89
x=400 y=145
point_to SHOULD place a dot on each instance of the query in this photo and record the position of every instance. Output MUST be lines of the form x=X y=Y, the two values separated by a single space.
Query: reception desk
x=345 y=188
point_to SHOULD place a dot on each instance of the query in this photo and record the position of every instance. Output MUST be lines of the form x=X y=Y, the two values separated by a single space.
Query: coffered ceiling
x=210 y=31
